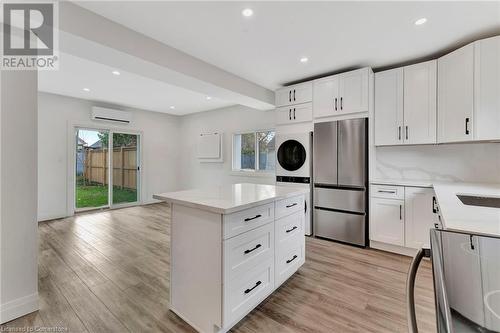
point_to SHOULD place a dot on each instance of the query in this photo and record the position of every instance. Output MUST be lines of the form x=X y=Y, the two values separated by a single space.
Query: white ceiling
x=266 y=47
x=127 y=89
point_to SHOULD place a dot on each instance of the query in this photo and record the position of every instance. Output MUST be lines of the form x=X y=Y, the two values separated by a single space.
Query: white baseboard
x=18 y=307
x=406 y=251
x=51 y=217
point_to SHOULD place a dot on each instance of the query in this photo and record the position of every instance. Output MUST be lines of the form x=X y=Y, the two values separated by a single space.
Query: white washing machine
x=294 y=167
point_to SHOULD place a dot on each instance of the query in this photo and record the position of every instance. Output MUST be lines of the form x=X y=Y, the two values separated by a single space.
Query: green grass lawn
x=97 y=195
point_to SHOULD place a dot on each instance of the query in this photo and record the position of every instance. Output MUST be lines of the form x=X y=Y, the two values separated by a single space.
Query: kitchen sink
x=473 y=200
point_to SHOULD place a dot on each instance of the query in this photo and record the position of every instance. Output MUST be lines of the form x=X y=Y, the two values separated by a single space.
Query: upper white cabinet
x=296 y=94
x=389 y=107
x=294 y=114
x=419 y=216
x=486 y=125
x=341 y=94
x=405 y=105
x=420 y=103
x=456 y=95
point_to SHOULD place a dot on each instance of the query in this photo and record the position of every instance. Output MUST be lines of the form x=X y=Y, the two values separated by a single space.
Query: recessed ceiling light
x=247 y=12
x=172 y=107
x=304 y=59
x=86 y=89
x=420 y=21
x=208 y=98
x=116 y=73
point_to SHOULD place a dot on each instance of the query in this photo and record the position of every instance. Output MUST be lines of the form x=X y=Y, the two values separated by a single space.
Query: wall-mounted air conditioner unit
x=117 y=116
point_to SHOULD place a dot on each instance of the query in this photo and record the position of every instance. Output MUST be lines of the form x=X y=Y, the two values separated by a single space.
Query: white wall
x=228 y=120
x=56 y=117
x=470 y=162
x=18 y=194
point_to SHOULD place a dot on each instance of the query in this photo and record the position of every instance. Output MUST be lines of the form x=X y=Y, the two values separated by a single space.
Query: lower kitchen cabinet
x=402 y=215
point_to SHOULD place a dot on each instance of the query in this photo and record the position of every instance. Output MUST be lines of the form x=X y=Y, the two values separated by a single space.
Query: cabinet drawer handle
x=289 y=114
x=293 y=113
x=401 y=212
x=406 y=132
x=252 y=218
x=290 y=260
x=290 y=96
x=385 y=191
x=290 y=230
x=251 y=250
x=341 y=103
x=258 y=283
x=290 y=206
x=335 y=103
x=293 y=94
x=467 y=120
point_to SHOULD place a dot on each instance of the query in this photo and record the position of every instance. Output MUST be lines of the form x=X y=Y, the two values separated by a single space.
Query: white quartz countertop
x=226 y=199
x=460 y=217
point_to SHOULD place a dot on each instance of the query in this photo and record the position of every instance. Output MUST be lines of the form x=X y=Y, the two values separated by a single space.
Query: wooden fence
x=95 y=167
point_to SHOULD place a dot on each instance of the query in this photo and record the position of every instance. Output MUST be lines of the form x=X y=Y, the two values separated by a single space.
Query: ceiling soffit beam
x=96 y=38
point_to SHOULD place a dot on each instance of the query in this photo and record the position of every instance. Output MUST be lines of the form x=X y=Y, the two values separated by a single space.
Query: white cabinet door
x=419 y=216
x=487 y=89
x=420 y=103
x=296 y=94
x=294 y=114
x=353 y=91
x=455 y=95
x=387 y=222
x=389 y=107
x=326 y=101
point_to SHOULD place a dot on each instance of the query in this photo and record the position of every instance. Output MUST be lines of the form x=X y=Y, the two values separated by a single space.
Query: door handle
x=290 y=230
x=289 y=114
x=258 y=283
x=434 y=205
x=341 y=103
x=293 y=113
x=294 y=95
x=335 y=103
x=290 y=96
x=467 y=120
x=252 y=218
x=401 y=212
x=290 y=260
x=406 y=127
x=386 y=191
x=399 y=133
x=251 y=250
x=290 y=206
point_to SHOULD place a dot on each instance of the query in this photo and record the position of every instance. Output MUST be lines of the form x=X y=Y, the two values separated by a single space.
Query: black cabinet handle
x=341 y=103
x=289 y=206
x=290 y=96
x=401 y=212
x=251 y=250
x=290 y=260
x=290 y=230
x=434 y=208
x=293 y=113
x=406 y=127
x=258 y=283
x=467 y=120
x=399 y=133
x=289 y=114
x=252 y=218
x=294 y=95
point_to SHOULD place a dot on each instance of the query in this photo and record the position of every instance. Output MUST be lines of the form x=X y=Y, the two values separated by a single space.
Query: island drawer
x=289 y=205
x=248 y=219
x=387 y=191
x=245 y=251
x=246 y=291
x=288 y=260
x=289 y=226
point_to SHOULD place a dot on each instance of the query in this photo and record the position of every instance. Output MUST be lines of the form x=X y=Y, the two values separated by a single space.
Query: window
x=254 y=151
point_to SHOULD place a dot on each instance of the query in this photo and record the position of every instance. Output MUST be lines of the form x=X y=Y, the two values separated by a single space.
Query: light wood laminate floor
x=109 y=272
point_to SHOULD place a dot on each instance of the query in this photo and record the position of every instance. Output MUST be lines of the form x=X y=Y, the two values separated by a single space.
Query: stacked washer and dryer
x=294 y=142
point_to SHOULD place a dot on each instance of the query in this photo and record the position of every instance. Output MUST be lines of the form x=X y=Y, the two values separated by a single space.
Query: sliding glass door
x=97 y=184
x=125 y=168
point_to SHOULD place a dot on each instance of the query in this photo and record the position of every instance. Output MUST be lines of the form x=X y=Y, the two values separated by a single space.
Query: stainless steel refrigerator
x=466 y=271
x=340 y=173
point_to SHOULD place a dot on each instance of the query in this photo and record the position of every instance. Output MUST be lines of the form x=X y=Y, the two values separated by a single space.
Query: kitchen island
x=231 y=247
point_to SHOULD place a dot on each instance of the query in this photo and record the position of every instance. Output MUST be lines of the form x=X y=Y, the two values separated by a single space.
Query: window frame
x=255 y=170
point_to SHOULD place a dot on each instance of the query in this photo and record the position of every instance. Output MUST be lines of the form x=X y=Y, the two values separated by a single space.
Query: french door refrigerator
x=340 y=173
